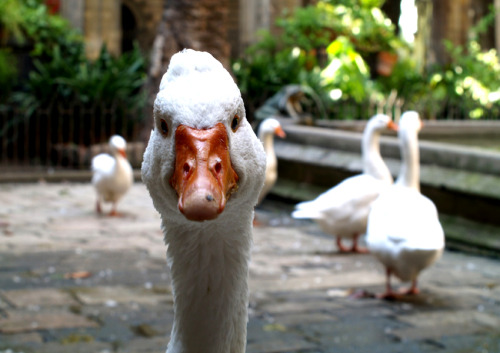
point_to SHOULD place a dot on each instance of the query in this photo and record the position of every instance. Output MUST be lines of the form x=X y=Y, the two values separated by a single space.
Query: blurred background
x=74 y=72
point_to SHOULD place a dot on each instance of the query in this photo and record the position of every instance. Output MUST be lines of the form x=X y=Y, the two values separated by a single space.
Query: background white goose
x=267 y=130
x=204 y=168
x=404 y=232
x=112 y=174
x=342 y=211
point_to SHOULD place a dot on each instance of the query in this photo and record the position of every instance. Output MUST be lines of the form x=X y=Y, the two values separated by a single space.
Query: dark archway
x=129 y=29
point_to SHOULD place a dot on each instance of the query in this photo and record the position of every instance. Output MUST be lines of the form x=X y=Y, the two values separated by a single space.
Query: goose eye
x=235 y=123
x=164 y=127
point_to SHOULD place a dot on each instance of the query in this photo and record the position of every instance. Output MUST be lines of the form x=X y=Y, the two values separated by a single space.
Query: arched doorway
x=129 y=29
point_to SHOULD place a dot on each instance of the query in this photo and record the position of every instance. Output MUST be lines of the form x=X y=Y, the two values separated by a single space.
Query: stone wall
x=100 y=22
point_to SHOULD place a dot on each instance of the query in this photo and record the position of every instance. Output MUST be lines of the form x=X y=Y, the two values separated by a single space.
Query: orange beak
x=203 y=176
x=391 y=125
x=279 y=132
x=123 y=153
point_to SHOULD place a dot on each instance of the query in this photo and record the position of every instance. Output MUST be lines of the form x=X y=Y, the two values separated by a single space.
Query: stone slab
x=18 y=321
x=25 y=298
x=111 y=295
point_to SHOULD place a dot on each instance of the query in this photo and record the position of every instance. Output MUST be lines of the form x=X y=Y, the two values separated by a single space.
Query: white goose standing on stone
x=404 y=231
x=204 y=168
x=343 y=210
x=112 y=174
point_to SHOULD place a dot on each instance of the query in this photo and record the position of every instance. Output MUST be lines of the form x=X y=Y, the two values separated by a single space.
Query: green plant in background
x=352 y=30
x=27 y=22
x=107 y=81
x=8 y=73
x=468 y=86
x=347 y=73
x=46 y=31
x=61 y=72
x=266 y=68
x=11 y=21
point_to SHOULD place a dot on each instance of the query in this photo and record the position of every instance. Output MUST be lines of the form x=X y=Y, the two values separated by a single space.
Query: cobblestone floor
x=71 y=281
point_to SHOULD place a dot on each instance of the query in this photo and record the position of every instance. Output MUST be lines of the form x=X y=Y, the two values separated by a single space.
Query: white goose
x=267 y=130
x=204 y=168
x=343 y=210
x=112 y=175
x=404 y=232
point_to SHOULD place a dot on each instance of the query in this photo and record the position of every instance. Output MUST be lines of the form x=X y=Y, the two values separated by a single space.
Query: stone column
x=102 y=24
x=73 y=11
x=111 y=25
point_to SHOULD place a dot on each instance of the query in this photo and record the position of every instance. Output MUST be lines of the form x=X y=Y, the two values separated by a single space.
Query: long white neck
x=268 y=143
x=373 y=164
x=121 y=162
x=209 y=268
x=409 y=174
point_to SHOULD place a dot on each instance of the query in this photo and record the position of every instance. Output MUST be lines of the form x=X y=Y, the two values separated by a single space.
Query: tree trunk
x=195 y=24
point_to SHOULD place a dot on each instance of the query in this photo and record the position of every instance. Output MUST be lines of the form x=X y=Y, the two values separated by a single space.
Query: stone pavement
x=71 y=281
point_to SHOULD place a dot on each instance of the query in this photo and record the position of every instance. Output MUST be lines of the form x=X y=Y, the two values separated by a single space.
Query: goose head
x=380 y=122
x=117 y=146
x=271 y=126
x=410 y=121
x=203 y=157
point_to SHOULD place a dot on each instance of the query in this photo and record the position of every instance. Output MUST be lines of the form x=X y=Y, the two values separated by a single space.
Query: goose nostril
x=186 y=168
x=218 y=167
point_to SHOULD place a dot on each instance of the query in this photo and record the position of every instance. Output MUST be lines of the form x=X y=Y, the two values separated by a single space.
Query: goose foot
x=98 y=208
x=391 y=295
x=341 y=247
x=413 y=290
x=355 y=247
x=114 y=212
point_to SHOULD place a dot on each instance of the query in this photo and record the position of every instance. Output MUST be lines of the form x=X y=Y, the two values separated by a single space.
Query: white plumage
x=343 y=210
x=112 y=174
x=267 y=130
x=404 y=231
x=204 y=168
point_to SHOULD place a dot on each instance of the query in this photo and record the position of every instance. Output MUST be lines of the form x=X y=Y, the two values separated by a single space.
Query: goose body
x=404 y=232
x=112 y=174
x=269 y=128
x=204 y=168
x=342 y=211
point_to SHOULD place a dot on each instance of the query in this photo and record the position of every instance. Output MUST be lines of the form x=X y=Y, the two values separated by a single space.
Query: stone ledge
x=431 y=153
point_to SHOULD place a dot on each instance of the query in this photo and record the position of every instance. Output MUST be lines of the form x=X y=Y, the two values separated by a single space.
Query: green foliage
x=470 y=81
x=346 y=71
x=310 y=27
x=107 y=81
x=8 y=73
x=266 y=68
x=46 y=31
x=11 y=20
x=368 y=28
x=468 y=85
x=62 y=73
x=345 y=31
x=28 y=22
